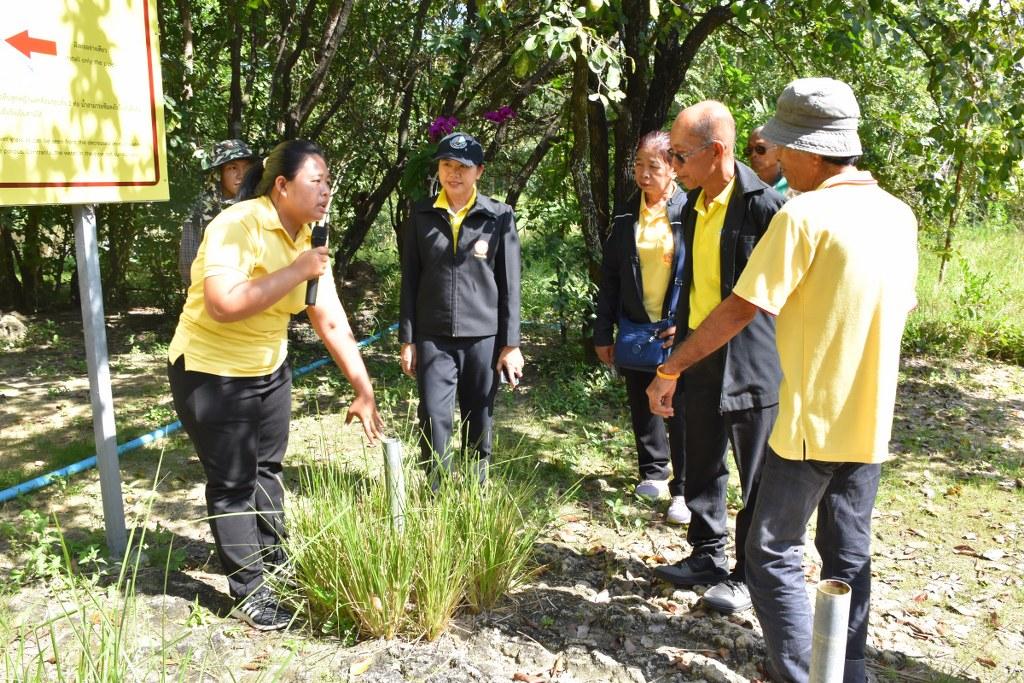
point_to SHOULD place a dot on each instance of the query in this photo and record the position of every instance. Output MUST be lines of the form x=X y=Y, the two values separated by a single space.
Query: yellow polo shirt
x=838 y=266
x=246 y=238
x=706 y=286
x=455 y=217
x=655 y=247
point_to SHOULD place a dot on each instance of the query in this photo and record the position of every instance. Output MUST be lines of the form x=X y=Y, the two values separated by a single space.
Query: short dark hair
x=842 y=161
x=284 y=160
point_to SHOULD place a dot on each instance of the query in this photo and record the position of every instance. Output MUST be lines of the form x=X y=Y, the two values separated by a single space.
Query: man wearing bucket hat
x=837 y=267
x=459 y=308
x=226 y=165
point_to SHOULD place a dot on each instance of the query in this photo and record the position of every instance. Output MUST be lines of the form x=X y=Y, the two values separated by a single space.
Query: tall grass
x=976 y=309
x=464 y=545
x=92 y=637
x=92 y=628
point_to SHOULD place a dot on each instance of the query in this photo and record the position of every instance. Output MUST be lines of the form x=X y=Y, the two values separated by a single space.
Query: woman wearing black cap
x=459 y=323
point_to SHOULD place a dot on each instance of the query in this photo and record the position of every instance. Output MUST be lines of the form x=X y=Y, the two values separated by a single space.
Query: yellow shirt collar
x=717 y=202
x=442 y=202
x=266 y=215
x=664 y=207
x=848 y=178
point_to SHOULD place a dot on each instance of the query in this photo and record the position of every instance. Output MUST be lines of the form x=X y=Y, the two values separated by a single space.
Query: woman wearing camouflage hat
x=226 y=166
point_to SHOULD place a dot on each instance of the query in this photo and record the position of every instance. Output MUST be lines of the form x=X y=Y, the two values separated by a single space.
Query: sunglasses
x=759 y=150
x=681 y=157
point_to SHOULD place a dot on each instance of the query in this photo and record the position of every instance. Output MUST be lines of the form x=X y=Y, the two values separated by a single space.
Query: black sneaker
x=262 y=611
x=694 y=570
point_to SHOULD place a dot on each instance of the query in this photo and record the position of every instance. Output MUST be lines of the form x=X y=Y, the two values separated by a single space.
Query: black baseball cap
x=462 y=148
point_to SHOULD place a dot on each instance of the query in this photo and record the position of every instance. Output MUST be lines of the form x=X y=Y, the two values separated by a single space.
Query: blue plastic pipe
x=90 y=462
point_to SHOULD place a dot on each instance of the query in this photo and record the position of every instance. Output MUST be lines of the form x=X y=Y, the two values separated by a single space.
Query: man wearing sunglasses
x=838 y=266
x=764 y=159
x=731 y=397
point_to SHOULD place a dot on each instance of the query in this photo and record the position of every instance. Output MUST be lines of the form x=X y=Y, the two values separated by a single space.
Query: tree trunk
x=235 y=101
x=954 y=212
x=579 y=161
x=32 y=259
x=597 y=123
x=11 y=292
x=367 y=207
x=518 y=184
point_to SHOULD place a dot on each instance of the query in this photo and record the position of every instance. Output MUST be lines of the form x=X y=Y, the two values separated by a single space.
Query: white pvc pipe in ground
x=831 y=620
x=395 y=478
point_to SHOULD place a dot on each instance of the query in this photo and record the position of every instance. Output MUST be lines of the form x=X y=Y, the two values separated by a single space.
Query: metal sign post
x=105 y=433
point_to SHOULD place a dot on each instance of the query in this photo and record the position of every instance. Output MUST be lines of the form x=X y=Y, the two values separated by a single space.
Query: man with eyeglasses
x=838 y=266
x=731 y=397
x=764 y=159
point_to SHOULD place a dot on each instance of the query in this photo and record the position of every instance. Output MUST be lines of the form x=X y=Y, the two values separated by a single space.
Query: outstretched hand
x=364 y=409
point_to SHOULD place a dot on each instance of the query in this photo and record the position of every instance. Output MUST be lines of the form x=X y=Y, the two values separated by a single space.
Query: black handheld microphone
x=319 y=240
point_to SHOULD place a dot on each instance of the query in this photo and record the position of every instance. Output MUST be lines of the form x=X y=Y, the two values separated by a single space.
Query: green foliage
x=975 y=309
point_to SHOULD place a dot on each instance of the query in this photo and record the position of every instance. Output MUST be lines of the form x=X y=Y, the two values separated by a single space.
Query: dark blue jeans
x=790 y=490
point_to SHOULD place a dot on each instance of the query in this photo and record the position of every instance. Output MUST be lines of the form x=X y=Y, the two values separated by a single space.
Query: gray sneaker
x=678 y=512
x=728 y=597
x=652 y=490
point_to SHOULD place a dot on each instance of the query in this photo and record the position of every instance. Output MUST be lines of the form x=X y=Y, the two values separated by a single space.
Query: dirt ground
x=948 y=571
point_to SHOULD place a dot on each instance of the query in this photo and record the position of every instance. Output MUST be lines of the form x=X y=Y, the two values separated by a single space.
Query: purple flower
x=441 y=126
x=500 y=115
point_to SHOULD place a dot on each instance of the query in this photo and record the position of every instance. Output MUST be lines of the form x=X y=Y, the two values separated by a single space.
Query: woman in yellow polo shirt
x=640 y=256
x=228 y=365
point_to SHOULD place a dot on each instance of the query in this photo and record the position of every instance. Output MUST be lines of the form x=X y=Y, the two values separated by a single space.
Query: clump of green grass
x=464 y=545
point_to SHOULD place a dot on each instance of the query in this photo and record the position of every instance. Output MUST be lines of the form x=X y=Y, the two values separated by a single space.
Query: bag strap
x=677 y=284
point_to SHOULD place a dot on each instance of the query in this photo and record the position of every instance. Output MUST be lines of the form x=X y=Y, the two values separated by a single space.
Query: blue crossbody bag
x=638 y=346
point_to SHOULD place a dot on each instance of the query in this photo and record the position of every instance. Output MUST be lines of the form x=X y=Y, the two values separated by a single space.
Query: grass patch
x=464 y=545
x=975 y=310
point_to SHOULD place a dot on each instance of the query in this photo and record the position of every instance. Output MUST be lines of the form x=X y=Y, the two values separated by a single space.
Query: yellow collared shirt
x=455 y=217
x=838 y=266
x=245 y=238
x=706 y=288
x=655 y=247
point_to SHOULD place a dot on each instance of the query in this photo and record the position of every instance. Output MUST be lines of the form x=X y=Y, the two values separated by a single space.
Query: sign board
x=81 y=103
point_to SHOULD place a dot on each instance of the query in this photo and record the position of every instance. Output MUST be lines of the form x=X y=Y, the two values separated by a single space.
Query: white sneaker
x=652 y=490
x=678 y=513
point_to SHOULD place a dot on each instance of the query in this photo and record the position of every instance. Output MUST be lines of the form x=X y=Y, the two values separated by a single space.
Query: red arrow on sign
x=26 y=45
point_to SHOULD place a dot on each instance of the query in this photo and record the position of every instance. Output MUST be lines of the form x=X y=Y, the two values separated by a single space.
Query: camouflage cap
x=225 y=151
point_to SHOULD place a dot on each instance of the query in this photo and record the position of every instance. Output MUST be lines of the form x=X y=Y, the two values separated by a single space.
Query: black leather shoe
x=693 y=571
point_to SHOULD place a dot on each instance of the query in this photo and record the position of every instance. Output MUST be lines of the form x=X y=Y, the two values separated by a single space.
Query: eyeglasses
x=759 y=150
x=681 y=157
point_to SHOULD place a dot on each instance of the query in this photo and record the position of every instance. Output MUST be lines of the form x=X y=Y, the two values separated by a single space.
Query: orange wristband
x=664 y=375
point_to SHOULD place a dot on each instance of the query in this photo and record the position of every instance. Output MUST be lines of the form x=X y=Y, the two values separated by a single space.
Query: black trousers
x=239 y=427
x=448 y=368
x=659 y=442
x=708 y=435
